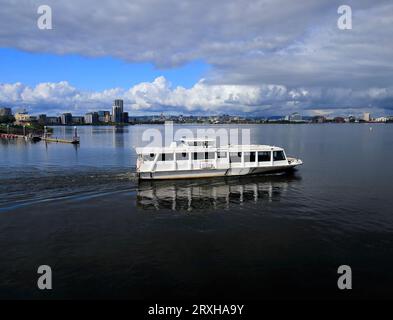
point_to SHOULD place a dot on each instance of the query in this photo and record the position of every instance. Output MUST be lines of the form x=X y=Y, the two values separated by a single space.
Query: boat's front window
x=278 y=155
x=263 y=156
x=148 y=157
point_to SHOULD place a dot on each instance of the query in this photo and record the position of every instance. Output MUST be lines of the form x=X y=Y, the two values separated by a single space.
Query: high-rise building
x=5 y=112
x=117 y=111
x=118 y=103
x=78 y=120
x=366 y=116
x=66 y=119
x=104 y=116
x=91 y=118
x=53 y=120
x=125 y=117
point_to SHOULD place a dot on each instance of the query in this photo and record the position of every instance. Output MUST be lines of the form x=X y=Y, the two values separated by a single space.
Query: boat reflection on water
x=213 y=193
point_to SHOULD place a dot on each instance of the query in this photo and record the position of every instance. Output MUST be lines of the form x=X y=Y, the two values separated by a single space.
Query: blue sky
x=90 y=73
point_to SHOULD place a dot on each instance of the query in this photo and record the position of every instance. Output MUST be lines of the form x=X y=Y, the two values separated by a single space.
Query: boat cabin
x=197 y=154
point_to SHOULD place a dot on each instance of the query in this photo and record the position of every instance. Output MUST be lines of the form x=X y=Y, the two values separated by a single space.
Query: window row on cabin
x=263 y=156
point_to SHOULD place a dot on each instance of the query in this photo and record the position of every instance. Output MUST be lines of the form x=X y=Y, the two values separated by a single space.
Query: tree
x=7 y=119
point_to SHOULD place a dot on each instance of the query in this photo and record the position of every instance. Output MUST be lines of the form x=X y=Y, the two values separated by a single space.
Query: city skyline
x=118 y=116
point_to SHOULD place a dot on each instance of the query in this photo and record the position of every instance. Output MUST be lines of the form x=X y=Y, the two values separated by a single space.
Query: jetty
x=74 y=140
x=50 y=139
x=34 y=137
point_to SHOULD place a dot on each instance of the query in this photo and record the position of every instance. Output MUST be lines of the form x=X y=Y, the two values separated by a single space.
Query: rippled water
x=81 y=210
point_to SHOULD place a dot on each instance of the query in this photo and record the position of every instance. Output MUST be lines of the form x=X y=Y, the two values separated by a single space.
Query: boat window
x=182 y=156
x=235 y=157
x=278 y=155
x=249 y=156
x=148 y=157
x=209 y=155
x=165 y=157
x=221 y=155
x=199 y=155
x=263 y=156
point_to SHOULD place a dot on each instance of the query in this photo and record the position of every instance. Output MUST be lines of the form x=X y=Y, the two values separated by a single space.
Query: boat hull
x=207 y=173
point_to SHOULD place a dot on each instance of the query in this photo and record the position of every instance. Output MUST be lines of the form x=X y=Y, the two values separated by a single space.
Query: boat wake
x=37 y=186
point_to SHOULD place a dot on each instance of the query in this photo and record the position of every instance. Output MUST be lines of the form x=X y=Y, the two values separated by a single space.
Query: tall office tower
x=66 y=118
x=117 y=111
x=119 y=103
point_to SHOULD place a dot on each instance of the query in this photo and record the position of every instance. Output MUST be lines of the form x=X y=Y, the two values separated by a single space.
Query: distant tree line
x=7 y=119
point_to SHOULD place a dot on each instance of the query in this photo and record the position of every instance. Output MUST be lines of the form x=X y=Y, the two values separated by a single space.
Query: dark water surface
x=80 y=211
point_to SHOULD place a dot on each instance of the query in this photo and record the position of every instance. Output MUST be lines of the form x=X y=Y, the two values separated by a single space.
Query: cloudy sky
x=270 y=57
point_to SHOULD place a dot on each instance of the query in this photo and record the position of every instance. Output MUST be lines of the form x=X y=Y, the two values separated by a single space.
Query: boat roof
x=185 y=148
x=198 y=140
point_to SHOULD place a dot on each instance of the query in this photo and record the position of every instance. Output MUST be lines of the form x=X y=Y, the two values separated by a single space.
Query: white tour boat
x=200 y=158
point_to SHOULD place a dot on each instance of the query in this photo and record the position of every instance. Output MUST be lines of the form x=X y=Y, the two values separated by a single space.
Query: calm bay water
x=79 y=210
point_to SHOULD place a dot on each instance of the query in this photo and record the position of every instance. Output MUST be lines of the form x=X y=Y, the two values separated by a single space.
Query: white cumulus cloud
x=202 y=98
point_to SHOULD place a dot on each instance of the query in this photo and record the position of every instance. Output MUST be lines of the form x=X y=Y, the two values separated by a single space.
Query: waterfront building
x=53 y=120
x=78 y=120
x=366 y=117
x=91 y=118
x=118 y=103
x=350 y=119
x=381 y=119
x=117 y=111
x=66 y=119
x=319 y=119
x=339 y=120
x=104 y=116
x=125 y=117
x=23 y=118
x=42 y=119
x=295 y=117
x=5 y=112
